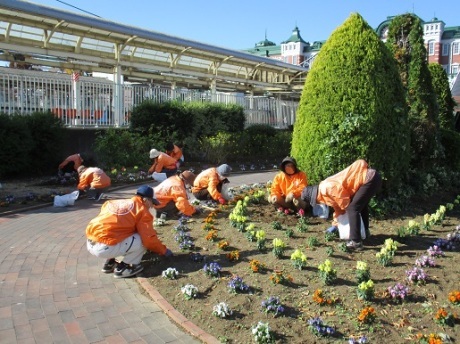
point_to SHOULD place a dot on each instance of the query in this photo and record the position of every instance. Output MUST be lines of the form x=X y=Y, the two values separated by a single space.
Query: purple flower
x=212 y=269
x=317 y=327
x=425 y=261
x=435 y=251
x=272 y=305
x=416 y=275
x=236 y=284
x=398 y=291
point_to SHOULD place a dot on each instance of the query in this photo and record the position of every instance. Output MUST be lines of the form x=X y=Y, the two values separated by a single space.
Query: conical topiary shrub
x=352 y=106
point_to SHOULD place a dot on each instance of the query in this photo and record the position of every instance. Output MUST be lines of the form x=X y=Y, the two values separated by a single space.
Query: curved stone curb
x=174 y=315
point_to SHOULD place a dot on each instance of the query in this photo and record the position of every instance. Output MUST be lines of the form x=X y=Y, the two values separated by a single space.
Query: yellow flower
x=278 y=243
x=260 y=235
x=360 y=265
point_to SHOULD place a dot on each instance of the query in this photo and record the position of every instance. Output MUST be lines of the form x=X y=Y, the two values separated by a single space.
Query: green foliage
x=216 y=149
x=443 y=96
x=15 y=144
x=450 y=140
x=120 y=147
x=47 y=133
x=352 y=106
x=405 y=40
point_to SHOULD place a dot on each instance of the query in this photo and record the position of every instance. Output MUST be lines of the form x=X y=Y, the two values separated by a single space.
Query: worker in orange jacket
x=94 y=181
x=163 y=166
x=172 y=195
x=287 y=186
x=70 y=164
x=348 y=191
x=208 y=184
x=124 y=228
x=175 y=152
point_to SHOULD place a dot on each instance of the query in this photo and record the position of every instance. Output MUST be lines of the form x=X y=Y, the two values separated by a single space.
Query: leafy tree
x=443 y=96
x=405 y=40
x=352 y=106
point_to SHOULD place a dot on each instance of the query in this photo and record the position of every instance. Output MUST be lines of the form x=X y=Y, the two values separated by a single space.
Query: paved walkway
x=52 y=289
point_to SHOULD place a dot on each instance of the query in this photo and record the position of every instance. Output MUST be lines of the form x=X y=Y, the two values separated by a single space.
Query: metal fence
x=90 y=102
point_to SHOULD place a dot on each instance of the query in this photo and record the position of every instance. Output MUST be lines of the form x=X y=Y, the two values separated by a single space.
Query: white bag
x=344 y=227
x=159 y=177
x=66 y=200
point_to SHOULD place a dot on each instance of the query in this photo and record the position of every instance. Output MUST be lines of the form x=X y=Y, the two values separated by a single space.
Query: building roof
x=295 y=37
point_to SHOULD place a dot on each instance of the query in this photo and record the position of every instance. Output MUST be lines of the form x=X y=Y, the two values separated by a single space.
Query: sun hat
x=188 y=177
x=147 y=191
x=154 y=153
x=224 y=170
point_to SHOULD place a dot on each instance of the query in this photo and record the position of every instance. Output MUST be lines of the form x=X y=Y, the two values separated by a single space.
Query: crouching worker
x=163 y=166
x=124 y=228
x=208 y=184
x=94 y=181
x=287 y=186
x=348 y=191
x=70 y=164
x=172 y=195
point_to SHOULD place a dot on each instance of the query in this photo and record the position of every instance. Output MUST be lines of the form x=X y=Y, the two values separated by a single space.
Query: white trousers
x=131 y=249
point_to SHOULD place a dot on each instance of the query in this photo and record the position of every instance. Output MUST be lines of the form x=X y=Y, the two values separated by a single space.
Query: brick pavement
x=52 y=289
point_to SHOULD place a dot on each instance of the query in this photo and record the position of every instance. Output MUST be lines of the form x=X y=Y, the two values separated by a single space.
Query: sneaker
x=124 y=270
x=98 y=198
x=109 y=266
x=354 y=245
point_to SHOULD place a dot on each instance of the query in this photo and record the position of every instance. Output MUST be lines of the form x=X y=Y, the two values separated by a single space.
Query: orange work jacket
x=176 y=153
x=163 y=161
x=283 y=184
x=93 y=177
x=76 y=158
x=173 y=189
x=119 y=219
x=337 y=191
x=208 y=179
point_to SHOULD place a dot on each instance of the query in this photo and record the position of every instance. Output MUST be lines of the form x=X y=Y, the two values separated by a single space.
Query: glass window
x=431 y=48
x=445 y=49
x=455 y=69
x=455 y=49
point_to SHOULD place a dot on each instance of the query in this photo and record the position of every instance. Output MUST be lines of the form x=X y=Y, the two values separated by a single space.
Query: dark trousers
x=204 y=195
x=169 y=173
x=69 y=167
x=359 y=206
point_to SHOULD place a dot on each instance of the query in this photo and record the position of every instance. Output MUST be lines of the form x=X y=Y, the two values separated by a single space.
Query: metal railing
x=88 y=102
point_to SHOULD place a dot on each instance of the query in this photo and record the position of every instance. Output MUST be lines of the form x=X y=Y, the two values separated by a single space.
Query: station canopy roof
x=46 y=36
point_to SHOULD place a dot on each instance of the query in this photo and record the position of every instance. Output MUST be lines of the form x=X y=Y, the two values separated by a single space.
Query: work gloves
x=332 y=229
x=289 y=197
x=221 y=200
x=273 y=199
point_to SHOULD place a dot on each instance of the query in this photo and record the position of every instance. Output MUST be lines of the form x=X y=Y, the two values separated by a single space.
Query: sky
x=241 y=24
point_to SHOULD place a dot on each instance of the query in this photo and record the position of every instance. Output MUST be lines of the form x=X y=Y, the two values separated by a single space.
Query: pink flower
x=286 y=211
x=280 y=210
x=301 y=212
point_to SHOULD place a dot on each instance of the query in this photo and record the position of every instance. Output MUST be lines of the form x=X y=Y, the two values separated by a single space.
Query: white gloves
x=272 y=199
x=289 y=197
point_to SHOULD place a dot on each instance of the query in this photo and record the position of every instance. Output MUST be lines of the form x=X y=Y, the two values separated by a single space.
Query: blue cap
x=147 y=191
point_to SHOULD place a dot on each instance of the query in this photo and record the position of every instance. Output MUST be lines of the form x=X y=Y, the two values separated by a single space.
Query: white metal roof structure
x=46 y=36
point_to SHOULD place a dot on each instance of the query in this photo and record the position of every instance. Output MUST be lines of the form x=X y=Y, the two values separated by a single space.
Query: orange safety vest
x=173 y=189
x=93 y=177
x=337 y=191
x=119 y=219
x=163 y=161
x=283 y=184
x=208 y=179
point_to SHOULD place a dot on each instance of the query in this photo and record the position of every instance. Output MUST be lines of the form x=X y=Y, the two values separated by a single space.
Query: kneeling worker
x=124 y=228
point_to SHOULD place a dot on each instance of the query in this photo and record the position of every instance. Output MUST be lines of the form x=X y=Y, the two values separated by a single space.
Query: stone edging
x=174 y=315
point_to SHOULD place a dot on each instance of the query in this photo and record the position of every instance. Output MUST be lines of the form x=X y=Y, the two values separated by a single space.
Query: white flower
x=189 y=291
x=170 y=273
x=222 y=310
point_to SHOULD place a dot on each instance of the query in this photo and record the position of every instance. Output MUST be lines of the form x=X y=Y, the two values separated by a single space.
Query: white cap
x=154 y=153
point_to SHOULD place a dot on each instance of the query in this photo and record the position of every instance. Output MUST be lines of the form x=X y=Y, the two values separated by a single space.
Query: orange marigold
x=319 y=298
x=223 y=244
x=255 y=265
x=233 y=256
x=212 y=235
x=454 y=297
x=367 y=315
